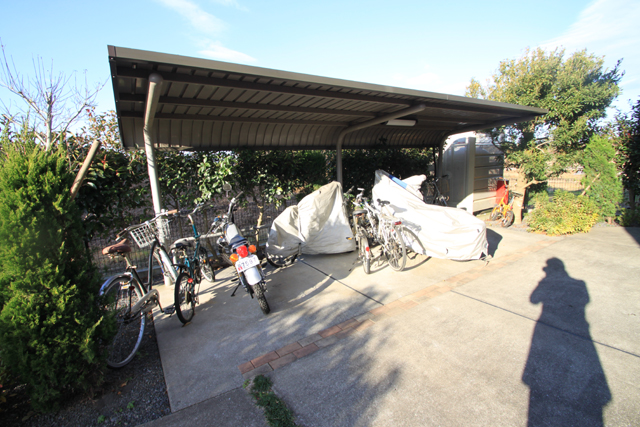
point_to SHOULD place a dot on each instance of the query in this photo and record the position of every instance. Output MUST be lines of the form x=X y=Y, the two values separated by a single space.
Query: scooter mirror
x=226 y=187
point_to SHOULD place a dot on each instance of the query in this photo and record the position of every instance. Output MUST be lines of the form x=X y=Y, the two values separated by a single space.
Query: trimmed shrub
x=566 y=214
x=49 y=318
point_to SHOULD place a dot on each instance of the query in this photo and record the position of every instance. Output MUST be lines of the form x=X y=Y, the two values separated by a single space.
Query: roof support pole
x=369 y=123
x=153 y=95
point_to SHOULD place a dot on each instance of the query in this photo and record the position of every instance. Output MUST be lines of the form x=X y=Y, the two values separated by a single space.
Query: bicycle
x=433 y=195
x=126 y=297
x=192 y=266
x=384 y=230
x=504 y=209
x=362 y=230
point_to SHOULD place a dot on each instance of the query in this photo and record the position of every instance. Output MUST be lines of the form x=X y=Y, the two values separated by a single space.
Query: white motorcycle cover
x=317 y=224
x=445 y=232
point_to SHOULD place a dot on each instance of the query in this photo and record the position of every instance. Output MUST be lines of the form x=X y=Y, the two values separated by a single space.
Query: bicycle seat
x=119 y=248
x=383 y=202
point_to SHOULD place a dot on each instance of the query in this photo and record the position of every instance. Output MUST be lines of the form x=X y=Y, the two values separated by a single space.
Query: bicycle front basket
x=145 y=234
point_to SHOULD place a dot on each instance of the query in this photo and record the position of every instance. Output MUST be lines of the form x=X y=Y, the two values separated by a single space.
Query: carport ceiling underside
x=211 y=105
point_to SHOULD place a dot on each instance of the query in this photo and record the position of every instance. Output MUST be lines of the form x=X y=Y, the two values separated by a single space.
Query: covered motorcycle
x=444 y=232
x=317 y=225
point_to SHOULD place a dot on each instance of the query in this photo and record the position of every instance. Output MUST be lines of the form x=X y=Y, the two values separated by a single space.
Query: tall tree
x=53 y=101
x=576 y=90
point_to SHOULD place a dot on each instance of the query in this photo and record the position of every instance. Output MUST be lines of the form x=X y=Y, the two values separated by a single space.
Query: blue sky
x=420 y=44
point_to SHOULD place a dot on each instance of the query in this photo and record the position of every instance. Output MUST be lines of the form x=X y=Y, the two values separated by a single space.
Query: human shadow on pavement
x=567 y=383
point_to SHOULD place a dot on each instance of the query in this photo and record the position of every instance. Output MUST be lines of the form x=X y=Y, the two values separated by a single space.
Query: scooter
x=237 y=250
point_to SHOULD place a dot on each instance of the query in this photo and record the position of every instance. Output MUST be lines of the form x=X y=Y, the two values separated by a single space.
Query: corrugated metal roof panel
x=212 y=105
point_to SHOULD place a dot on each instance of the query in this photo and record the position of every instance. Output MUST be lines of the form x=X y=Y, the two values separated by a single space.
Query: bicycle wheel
x=262 y=300
x=184 y=298
x=365 y=253
x=508 y=219
x=396 y=250
x=205 y=265
x=496 y=213
x=119 y=296
x=412 y=242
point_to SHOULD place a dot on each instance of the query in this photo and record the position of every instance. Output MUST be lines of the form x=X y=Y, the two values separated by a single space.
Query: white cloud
x=233 y=3
x=608 y=28
x=215 y=50
x=604 y=22
x=196 y=16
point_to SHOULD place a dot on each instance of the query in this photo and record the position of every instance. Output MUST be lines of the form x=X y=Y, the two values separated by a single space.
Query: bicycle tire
x=411 y=240
x=396 y=251
x=185 y=301
x=117 y=300
x=508 y=219
x=496 y=213
x=262 y=300
x=365 y=253
x=205 y=265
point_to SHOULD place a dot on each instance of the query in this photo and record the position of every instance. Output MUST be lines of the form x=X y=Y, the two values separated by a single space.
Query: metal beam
x=192 y=102
x=155 y=81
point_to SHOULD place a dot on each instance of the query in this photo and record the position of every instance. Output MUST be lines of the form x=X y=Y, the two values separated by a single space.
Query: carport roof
x=212 y=105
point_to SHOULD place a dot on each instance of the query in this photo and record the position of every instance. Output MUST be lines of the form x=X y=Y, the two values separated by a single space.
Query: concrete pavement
x=546 y=334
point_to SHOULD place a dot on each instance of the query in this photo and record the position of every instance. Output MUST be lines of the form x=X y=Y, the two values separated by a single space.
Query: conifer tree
x=50 y=322
x=601 y=180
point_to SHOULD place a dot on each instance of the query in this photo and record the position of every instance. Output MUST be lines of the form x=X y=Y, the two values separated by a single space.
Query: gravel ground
x=130 y=396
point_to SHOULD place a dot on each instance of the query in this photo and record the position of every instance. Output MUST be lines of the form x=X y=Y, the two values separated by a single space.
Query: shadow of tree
x=567 y=384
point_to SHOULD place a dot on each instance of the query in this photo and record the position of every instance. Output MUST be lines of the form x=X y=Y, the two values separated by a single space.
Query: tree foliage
x=265 y=177
x=50 y=324
x=601 y=180
x=116 y=186
x=627 y=134
x=576 y=90
x=178 y=176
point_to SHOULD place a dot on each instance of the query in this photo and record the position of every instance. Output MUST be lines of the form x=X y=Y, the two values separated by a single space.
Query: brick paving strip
x=312 y=343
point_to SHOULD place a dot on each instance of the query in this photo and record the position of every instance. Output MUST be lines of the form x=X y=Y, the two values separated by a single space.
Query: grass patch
x=275 y=410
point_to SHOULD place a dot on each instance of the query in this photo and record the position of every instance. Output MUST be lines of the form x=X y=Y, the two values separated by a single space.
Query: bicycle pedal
x=170 y=310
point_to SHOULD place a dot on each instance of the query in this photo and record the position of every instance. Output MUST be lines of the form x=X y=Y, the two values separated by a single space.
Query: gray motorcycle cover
x=318 y=225
x=444 y=232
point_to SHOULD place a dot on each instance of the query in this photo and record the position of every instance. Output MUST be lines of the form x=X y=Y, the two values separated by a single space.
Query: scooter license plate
x=246 y=263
